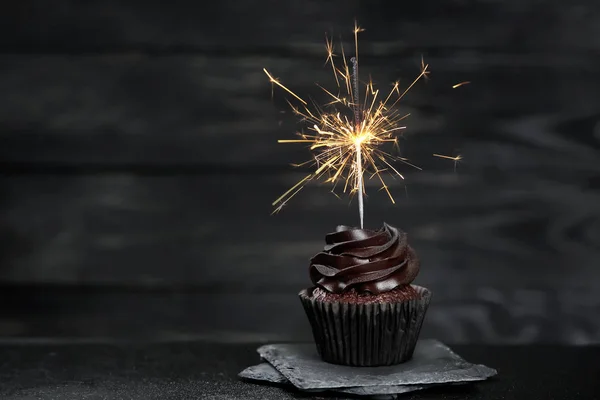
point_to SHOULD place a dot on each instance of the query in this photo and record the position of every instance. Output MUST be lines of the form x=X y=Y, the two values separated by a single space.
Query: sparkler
x=346 y=138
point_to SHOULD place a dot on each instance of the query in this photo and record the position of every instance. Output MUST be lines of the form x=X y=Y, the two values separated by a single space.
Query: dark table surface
x=208 y=370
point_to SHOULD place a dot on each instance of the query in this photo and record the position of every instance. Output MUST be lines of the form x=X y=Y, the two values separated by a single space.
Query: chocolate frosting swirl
x=364 y=260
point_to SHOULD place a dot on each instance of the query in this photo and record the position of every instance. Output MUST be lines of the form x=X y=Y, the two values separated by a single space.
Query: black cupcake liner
x=366 y=335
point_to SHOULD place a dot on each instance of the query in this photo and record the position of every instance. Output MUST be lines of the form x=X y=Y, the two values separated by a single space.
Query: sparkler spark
x=456 y=159
x=346 y=137
x=460 y=84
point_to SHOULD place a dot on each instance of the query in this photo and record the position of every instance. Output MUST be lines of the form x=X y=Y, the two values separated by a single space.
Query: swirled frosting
x=364 y=260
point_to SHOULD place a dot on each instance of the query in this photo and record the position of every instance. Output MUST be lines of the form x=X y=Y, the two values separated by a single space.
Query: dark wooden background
x=139 y=162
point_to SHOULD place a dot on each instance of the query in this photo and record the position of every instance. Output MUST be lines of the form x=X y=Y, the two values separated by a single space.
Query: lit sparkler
x=346 y=139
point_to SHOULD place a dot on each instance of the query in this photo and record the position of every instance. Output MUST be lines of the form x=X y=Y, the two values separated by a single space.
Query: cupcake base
x=366 y=334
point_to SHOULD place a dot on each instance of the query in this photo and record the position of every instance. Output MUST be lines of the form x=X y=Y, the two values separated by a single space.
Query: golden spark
x=346 y=136
x=460 y=84
x=456 y=159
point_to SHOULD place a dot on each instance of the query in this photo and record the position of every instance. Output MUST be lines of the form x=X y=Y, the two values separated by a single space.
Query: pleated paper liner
x=366 y=335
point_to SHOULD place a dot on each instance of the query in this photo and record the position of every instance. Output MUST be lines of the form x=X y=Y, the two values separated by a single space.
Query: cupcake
x=363 y=309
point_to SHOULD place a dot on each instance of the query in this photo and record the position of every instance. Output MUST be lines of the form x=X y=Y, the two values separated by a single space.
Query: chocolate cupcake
x=363 y=309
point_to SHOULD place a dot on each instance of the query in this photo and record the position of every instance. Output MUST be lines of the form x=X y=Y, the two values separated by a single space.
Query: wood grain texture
x=137 y=110
x=215 y=230
x=291 y=26
x=460 y=313
x=138 y=150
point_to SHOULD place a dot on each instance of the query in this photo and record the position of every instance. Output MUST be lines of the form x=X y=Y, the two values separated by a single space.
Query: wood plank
x=295 y=25
x=214 y=231
x=459 y=314
x=139 y=110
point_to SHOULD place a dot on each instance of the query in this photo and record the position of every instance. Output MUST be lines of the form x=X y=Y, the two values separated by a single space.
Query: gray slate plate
x=267 y=373
x=432 y=363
